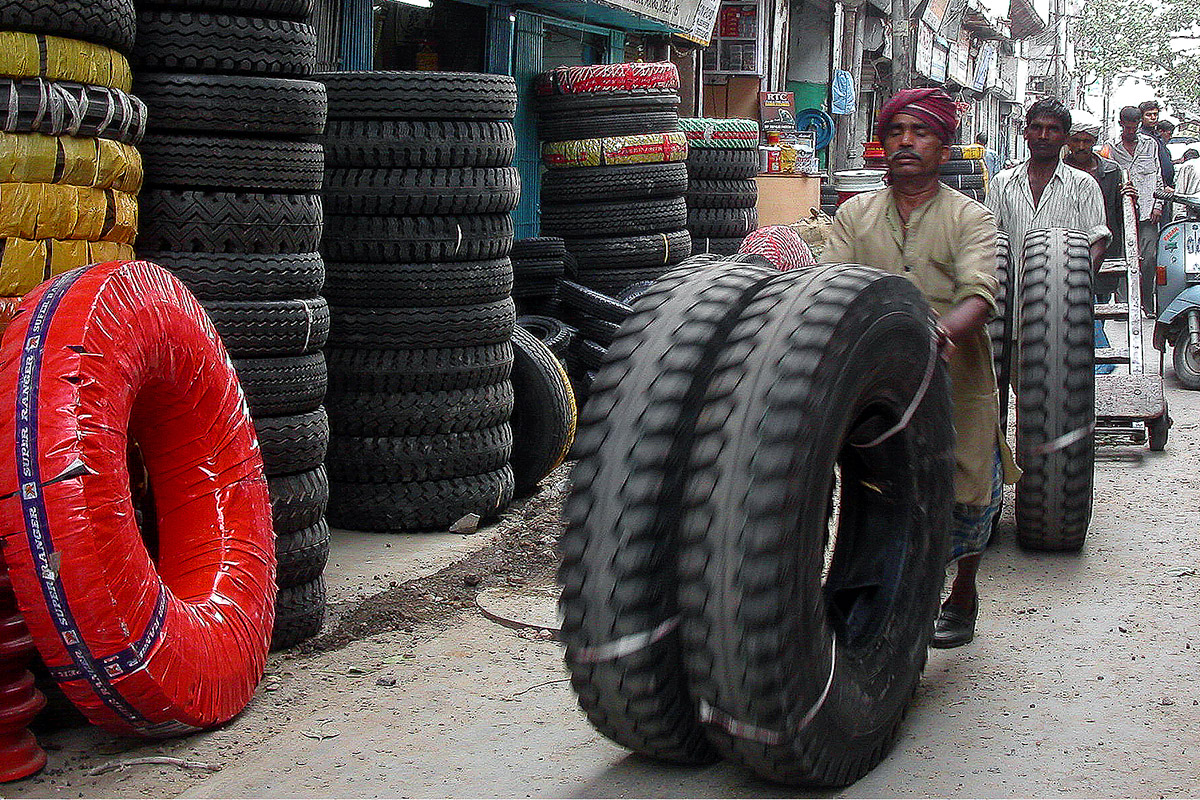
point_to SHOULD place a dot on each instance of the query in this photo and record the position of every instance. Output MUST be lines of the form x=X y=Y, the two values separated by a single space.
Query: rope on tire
x=1064 y=441
x=907 y=416
x=619 y=648
x=711 y=715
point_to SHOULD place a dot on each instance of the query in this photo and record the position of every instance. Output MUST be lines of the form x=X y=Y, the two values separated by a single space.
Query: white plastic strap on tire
x=622 y=647
x=710 y=715
x=458 y=241
x=666 y=249
x=308 y=323
x=916 y=401
x=1064 y=441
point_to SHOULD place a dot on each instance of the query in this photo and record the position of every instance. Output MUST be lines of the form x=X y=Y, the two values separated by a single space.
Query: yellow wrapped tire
x=649 y=148
x=33 y=55
x=25 y=263
x=49 y=211
x=70 y=161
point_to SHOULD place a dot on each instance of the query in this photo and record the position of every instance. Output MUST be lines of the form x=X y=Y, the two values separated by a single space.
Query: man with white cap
x=1085 y=132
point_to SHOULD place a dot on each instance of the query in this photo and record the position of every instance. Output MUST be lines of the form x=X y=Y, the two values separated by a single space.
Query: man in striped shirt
x=1043 y=192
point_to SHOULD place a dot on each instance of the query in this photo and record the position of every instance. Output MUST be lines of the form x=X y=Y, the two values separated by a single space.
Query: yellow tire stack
x=69 y=168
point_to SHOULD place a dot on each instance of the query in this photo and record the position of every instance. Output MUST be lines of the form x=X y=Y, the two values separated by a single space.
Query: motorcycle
x=1178 y=290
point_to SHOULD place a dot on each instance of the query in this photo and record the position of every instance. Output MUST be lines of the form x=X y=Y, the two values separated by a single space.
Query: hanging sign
x=691 y=19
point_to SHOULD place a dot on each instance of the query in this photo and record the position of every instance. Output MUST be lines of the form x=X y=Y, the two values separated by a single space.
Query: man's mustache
x=904 y=153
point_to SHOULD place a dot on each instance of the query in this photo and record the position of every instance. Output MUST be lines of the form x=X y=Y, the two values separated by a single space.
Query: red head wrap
x=932 y=106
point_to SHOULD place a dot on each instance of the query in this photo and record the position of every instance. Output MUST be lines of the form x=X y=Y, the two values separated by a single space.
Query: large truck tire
x=543 y=416
x=805 y=622
x=1000 y=327
x=1056 y=392
x=618 y=569
x=107 y=22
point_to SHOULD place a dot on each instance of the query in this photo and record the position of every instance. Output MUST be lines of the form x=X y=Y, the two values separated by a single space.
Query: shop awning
x=1024 y=19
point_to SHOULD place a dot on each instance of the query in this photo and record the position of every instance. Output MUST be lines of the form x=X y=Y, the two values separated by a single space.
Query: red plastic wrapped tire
x=96 y=357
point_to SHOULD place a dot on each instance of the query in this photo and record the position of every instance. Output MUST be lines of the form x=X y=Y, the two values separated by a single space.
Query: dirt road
x=1084 y=680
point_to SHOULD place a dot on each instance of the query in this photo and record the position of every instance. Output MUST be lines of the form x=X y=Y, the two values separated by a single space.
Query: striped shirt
x=1071 y=200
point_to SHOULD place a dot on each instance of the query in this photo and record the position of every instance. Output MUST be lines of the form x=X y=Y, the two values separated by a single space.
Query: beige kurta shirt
x=948 y=249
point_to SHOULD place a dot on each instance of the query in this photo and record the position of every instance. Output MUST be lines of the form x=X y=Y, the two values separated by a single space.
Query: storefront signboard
x=691 y=19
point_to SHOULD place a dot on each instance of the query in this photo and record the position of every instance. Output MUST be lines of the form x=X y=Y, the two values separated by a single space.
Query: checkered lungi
x=972 y=525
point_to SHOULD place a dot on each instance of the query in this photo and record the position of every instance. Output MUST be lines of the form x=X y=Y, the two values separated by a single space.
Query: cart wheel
x=1158 y=429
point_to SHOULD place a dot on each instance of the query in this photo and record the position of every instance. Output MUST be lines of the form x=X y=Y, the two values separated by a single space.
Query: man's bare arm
x=962 y=321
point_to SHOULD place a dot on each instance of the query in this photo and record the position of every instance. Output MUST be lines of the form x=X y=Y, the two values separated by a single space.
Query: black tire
x=722 y=194
x=420 y=95
x=1056 y=392
x=716 y=245
x=185 y=41
x=962 y=182
x=801 y=677
x=439 y=369
x=412 y=328
x=1187 y=366
x=419 y=506
x=293 y=444
x=270 y=327
x=57 y=108
x=632 y=294
x=232 y=276
x=282 y=9
x=401 y=459
x=631 y=182
x=618 y=549
x=385 y=144
x=622 y=218
x=418 y=285
x=1000 y=328
x=250 y=105
x=591 y=303
x=298 y=501
x=111 y=23
x=539 y=248
x=200 y=223
x=721 y=164
x=276 y=387
x=300 y=556
x=587 y=354
x=215 y=162
x=420 y=413
x=299 y=614
x=721 y=223
x=417 y=239
x=614 y=282
x=543 y=418
x=421 y=191
x=603 y=122
x=553 y=333
x=963 y=166
x=592 y=103
x=631 y=252
x=1157 y=431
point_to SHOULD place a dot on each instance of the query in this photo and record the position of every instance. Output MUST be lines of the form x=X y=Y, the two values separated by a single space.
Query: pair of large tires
x=967 y=175
x=70 y=169
x=615 y=188
x=417 y=243
x=716 y=601
x=722 y=195
x=232 y=206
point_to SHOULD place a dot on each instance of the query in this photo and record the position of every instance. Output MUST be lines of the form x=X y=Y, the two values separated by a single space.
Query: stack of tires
x=615 y=186
x=722 y=194
x=418 y=191
x=69 y=171
x=232 y=207
x=595 y=317
x=537 y=265
x=829 y=199
x=965 y=171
